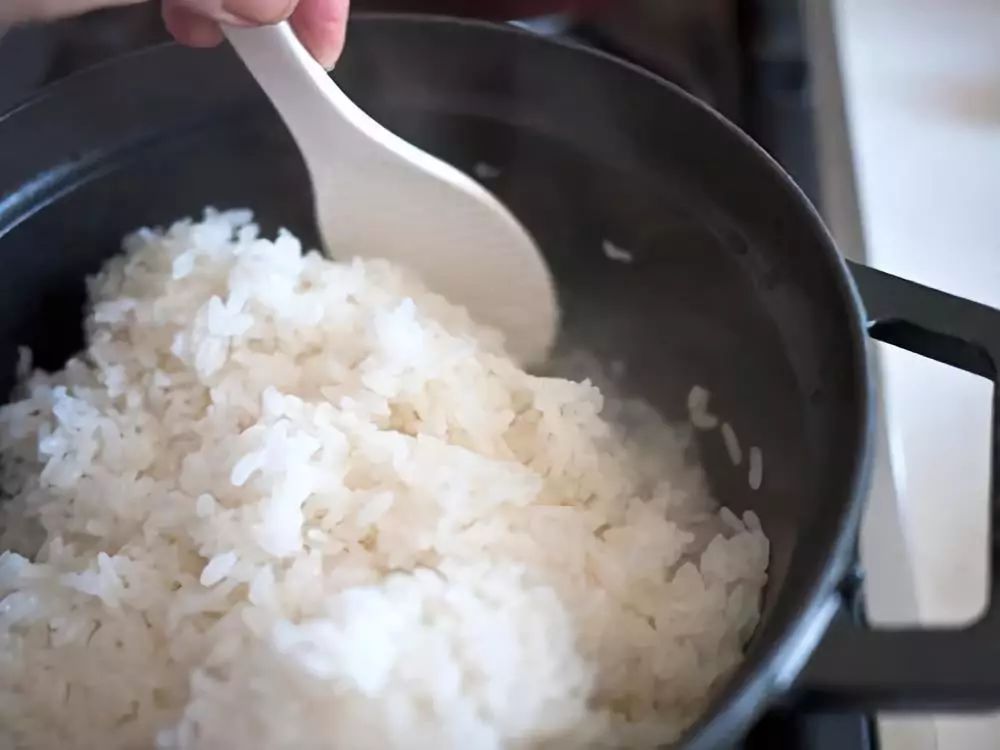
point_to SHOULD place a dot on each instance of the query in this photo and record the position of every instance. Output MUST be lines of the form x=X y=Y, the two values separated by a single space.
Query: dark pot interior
x=735 y=284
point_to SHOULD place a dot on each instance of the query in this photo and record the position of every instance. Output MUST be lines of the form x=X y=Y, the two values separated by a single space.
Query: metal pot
x=735 y=284
x=494 y=9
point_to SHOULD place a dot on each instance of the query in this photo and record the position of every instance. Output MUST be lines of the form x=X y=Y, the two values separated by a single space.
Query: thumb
x=322 y=25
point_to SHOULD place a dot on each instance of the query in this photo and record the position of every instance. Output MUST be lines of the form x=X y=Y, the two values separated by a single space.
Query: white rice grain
x=731 y=520
x=699 y=415
x=616 y=253
x=485 y=171
x=732 y=443
x=218 y=568
x=756 y=475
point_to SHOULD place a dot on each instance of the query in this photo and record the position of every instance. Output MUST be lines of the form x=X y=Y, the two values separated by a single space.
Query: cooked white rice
x=732 y=443
x=756 y=475
x=616 y=253
x=281 y=502
x=698 y=412
x=485 y=171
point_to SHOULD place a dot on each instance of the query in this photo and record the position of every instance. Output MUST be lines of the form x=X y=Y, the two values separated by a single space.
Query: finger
x=241 y=12
x=190 y=28
x=322 y=27
x=14 y=11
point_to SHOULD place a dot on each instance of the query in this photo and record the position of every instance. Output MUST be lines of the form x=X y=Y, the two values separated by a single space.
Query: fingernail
x=328 y=57
x=264 y=12
x=325 y=41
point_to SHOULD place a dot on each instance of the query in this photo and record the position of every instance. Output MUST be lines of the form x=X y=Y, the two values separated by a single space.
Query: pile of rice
x=281 y=502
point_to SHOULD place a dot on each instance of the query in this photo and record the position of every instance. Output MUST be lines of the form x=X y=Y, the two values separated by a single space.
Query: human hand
x=320 y=24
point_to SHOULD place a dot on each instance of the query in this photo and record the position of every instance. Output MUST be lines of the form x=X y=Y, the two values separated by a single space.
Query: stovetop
x=747 y=59
x=791 y=730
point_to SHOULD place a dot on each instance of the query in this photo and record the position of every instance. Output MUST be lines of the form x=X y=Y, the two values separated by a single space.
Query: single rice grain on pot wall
x=756 y=475
x=282 y=502
x=698 y=412
x=732 y=443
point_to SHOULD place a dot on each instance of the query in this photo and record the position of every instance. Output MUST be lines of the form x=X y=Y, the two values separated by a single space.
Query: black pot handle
x=918 y=669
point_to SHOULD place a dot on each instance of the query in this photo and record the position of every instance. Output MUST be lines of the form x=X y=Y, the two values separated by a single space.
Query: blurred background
x=887 y=114
x=745 y=57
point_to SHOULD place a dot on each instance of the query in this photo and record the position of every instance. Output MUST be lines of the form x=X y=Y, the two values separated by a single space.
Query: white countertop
x=920 y=157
